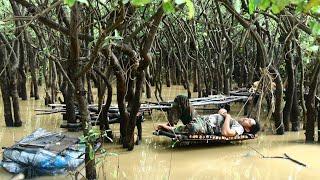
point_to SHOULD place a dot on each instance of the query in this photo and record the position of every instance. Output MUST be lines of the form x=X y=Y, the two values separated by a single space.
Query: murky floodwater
x=155 y=159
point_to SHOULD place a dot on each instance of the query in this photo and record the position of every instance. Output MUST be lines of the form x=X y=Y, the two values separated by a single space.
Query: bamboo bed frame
x=202 y=139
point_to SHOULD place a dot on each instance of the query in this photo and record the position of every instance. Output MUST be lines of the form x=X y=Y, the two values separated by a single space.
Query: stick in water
x=281 y=157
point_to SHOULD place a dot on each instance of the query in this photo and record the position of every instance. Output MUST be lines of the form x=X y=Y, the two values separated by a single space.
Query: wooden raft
x=202 y=139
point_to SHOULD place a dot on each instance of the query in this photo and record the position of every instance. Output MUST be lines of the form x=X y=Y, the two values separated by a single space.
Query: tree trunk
x=84 y=117
x=227 y=74
x=295 y=110
x=80 y=93
x=21 y=51
x=278 y=116
x=89 y=95
x=135 y=106
x=318 y=120
x=53 y=82
x=70 y=109
x=130 y=88
x=12 y=80
x=5 y=88
x=173 y=72
x=34 y=90
x=15 y=100
x=168 y=77
x=195 y=79
x=22 y=74
x=301 y=87
x=310 y=105
x=226 y=86
x=101 y=91
x=121 y=91
x=199 y=74
x=148 y=87
x=103 y=117
x=179 y=62
x=291 y=84
x=5 y=91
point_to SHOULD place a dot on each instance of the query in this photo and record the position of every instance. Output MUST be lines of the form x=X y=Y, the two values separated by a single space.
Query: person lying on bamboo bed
x=217 y=124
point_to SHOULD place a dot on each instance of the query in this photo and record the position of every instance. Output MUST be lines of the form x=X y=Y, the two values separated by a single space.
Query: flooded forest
x=159 y=89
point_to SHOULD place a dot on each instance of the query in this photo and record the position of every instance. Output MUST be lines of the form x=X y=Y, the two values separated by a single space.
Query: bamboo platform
x=211 y=100
x=202 y=139
x=203 y=101
x=241 y=92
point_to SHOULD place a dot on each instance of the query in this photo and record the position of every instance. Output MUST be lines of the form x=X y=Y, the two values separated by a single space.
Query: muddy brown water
x=156 y=159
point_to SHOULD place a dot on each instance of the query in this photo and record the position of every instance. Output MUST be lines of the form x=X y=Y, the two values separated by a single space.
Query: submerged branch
x=286 y=156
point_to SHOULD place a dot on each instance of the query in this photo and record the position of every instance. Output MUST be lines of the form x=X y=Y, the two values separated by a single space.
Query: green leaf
x=313 y=48
x=112 y=154
x=69 y=2
x=107 y=41
x=257 y=2
x=94 y=130
x=91 y=152
x=300 y=6
x=315 y=10
x=125 y=1
x=251 y=6
x=264 y=4
x=116 y=33
x=102 y=150
x=174 y=144
x=315 y=27
x=278 y=6
x=297 y=1
x=139 y=2
x=312 y=3
x=275 y=9
x=191 y=10
x=116 y=36
x=178 y=2
x=83 y=139
x=237 y=5
x=168 y=7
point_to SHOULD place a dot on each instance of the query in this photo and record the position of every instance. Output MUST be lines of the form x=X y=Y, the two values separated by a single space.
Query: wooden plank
x=212 y=100
x=206 y=109
x=238 y=98
x=61 y=145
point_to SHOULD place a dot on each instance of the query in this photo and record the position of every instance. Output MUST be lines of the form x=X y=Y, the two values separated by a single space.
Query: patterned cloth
x=210 y=125
x=216 y=121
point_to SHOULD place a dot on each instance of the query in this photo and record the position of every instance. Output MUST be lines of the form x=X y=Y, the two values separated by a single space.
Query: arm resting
x=226 y=131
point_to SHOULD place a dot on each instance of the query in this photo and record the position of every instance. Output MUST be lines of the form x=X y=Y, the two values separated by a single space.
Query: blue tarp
x=36 y=159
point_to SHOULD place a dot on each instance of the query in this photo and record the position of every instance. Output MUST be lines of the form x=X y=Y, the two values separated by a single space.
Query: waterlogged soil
x=155 y=158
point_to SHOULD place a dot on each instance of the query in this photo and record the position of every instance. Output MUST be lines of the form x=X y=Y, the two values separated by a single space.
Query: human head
x=250 y=125
x=181 y=102
x=180 y=105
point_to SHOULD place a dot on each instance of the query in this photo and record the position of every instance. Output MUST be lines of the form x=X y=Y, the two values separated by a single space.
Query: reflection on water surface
x=155 y=159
